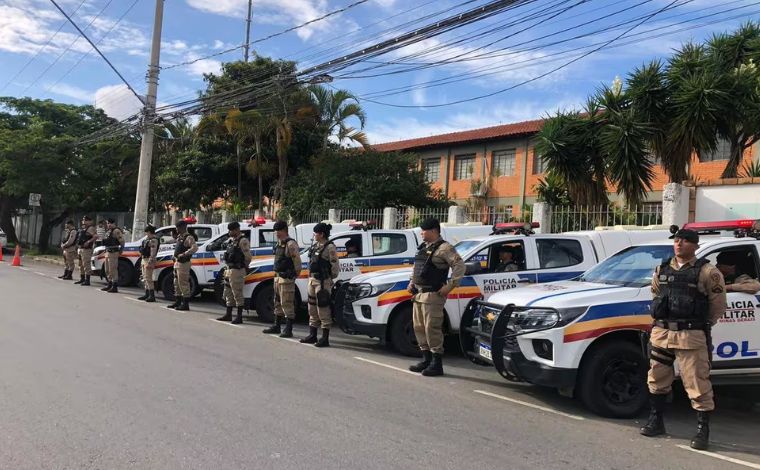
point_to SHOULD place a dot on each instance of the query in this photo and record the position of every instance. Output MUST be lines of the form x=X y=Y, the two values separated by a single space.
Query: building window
x=464 y=167
x=503 y=163
x=539 y=164
x=722 y=152
x=432 y=170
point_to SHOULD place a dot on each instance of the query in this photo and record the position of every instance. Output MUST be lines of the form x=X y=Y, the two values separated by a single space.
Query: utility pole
x=248 y=30
x=149 y=111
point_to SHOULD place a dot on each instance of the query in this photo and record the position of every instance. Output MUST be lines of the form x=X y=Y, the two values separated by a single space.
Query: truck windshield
x=632 y=267
x=465 y=246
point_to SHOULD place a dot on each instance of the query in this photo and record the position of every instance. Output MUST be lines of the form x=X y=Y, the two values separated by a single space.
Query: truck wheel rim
x=620 y=381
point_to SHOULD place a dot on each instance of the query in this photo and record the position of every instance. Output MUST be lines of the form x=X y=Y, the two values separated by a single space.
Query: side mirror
x=472 y=267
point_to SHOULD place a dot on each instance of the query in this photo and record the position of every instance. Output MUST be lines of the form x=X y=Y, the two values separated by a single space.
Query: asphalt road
x=96 y=380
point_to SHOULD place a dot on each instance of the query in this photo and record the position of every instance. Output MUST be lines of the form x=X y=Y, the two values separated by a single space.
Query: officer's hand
x=444 y=291
x=410 y=288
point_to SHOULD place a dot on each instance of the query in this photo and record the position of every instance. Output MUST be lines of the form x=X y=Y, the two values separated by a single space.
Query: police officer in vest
x=114 y=243
x=183 y=255
x=237 y=255
x=430 y=286
x=287 y=266
x=69 y=249
x=323 y=268
x=148 y=252
x=86 y=237
x=689 y=297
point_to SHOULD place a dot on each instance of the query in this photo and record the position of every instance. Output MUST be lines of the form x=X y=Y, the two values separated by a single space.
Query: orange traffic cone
x=17 y=256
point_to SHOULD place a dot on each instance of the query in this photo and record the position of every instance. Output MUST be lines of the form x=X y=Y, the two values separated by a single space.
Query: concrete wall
x=728 y=199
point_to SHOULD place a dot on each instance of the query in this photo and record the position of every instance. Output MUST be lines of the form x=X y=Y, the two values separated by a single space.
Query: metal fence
x=508 y=215
x=571 y=218
x=365 y=215
x=28 y=225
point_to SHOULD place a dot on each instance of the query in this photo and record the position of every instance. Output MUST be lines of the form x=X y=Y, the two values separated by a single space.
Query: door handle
x=524 y=281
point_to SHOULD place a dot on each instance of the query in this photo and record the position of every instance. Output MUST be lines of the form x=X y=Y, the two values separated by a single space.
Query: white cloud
x=72 y=92
x=205 y=66
x=117 y=101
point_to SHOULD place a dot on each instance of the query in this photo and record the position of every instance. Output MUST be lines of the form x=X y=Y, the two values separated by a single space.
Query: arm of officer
x=119 y=235
x=332 y=255
x=245 y=246
x=92 y=231
x=192 y=247
x=744 y=283
x=656 y=281
x=455 y=262
x=153 y=250
x=292 y=251
x=711 y=283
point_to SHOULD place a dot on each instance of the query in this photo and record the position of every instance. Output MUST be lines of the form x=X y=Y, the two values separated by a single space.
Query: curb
x=44 y=259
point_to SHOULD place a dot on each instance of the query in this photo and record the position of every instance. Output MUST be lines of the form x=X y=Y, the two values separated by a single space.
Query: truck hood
x=383 y=277
x=564 y=294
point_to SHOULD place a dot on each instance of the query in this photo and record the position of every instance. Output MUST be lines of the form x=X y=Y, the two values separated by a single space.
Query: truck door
x=351 y=254
x=736 y=337
x=390 y=250
x=561 y=258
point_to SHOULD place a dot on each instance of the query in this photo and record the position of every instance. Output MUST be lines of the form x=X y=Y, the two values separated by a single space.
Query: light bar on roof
x=515 y=225
x=739 y=224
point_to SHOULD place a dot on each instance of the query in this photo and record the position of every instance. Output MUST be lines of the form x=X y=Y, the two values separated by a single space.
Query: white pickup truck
x=378 y=250
x=584 y=336
x=129 y=260
x=379 y=305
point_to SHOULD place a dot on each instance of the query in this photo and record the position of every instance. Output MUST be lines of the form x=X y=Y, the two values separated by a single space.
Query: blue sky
x=67 y=70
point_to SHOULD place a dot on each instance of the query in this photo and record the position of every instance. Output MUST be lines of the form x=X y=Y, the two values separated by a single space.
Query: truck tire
x=126 y=273
x=263 y=303
x=612 y=380
x=167 y=286
x=403 y=340
x=219 y=288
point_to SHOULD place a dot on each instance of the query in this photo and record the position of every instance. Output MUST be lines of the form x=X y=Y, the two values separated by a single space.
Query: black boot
x=324 y=341
x=151 y=296
x=81 y=279
x=114 y=288
x=312 y=338
x=144 y=296
x=702 y=439
x=656 y=424
x=67 y=276
x=427 y=356
x=86 y=281
x=227 y=316
x=275 y=328
x=177 y=302
x=65 y=273
x=107 y=287
x=436 y=366
x=288 y=331
x=184 y=305
x=239 y=317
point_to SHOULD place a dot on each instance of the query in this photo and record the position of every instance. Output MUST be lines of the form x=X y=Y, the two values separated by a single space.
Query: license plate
x=485 y=351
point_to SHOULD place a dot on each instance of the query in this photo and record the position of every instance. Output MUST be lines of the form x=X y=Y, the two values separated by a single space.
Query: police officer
x=113 y=241
x=430 y=288
x=69 y=249
x=183 y=254
x=689 y=297
x=726 y=262
x=323 y=268
x=506 y=261
x=237 y=255
x=148 y=252
x=86 y=237
x=287 y=266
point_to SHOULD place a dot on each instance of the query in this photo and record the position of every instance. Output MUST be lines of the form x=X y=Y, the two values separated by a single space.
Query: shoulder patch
x=715 y=276
x=717 y=289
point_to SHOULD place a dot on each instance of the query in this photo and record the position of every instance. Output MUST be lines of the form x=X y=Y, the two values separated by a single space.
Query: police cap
x=323 y=228
x=181 y=223
x=110 y=220
x=688 y=235
x=430 y=223
x=280 y=225
x=727 y=258
x=150 y=229
x=233 y=226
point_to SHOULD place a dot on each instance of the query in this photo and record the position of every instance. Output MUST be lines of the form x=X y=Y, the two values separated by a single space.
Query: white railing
x=571 y=218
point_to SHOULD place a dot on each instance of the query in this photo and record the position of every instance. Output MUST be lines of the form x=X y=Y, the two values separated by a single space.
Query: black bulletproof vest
x=283 y=264
x=319 y=267
x=427 y=274
x=679 y=298
x=110 y=241
x=233 y=255
x=145 y=248
x=180 y=247
x=83 y=237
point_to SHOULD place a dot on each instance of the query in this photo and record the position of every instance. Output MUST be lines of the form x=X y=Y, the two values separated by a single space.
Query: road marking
x=387 y=366
x=135 y=299
x=721 y=457
x=224 y=323
x=41 y=274
x=23 y=268
x=530 y=405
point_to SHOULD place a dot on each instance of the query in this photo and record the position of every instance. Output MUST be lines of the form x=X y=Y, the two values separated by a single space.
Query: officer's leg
x=81 y=267
x=183 y=279
x=277 y=310
x=659 y=382
x=314 y=322
x=177 y=294
x=694 y=365
x=113 y=266
x=86 y=259
x=149 y=284
x=237 y=277
x=227 y=296
x=288 y=305
x=144 y=274
x=418 y=322
x=325 y=316
x=434 y=333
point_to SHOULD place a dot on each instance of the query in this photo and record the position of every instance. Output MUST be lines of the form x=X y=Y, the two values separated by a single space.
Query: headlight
x=362 y=291
x=534 y=319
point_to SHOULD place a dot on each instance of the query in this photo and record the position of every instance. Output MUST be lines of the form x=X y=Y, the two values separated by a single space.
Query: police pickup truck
x=379 y=305
x=360 y=250
x=129 y=259
x=583 y=336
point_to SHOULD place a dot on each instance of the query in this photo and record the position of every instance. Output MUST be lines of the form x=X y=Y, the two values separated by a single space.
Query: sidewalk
x=50 y=259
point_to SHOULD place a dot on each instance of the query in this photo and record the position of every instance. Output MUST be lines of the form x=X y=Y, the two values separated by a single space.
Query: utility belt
x=320 y=276
x=113 y=249
x=427 y=290
x=680 y=325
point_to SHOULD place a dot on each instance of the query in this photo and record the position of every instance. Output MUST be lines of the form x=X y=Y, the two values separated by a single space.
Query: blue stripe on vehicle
x=557 y=276
x=383 y=261
x=622 y=309
x=557 y=294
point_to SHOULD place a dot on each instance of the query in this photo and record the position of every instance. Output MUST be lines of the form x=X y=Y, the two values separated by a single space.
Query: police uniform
x=237 y=255
x=113 y=243
x=148 y=253
x=509 y=266
x=323 y=268
x=69 y=248
x=183 y=254
x=287 y=267
x=688 y=300
x=742 y=283
x=431 y=270
x=85 y=239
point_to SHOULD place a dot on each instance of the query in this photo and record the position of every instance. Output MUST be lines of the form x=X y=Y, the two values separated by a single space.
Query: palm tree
x=334 y=110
